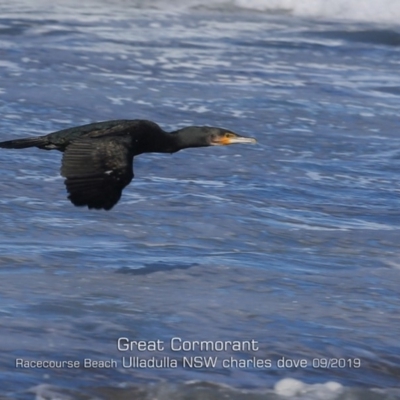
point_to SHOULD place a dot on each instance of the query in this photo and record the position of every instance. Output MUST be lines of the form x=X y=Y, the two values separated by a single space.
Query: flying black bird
x=98 y=157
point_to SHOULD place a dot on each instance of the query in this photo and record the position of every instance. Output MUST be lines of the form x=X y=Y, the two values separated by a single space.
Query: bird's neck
x=160 y=143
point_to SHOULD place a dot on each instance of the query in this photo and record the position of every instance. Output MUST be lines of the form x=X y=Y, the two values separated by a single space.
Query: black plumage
x=98 y=157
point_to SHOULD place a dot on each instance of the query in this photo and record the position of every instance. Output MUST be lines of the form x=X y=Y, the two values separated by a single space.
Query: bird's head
x=199 y=136
x=223 y=137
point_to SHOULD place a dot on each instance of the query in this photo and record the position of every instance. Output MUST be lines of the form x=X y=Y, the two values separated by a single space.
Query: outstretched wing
x=97 y=170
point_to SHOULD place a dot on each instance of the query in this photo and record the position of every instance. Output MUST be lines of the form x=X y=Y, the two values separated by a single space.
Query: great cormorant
x=98 y=157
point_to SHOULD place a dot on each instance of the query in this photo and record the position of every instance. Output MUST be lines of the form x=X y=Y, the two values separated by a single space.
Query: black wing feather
x=97 y=170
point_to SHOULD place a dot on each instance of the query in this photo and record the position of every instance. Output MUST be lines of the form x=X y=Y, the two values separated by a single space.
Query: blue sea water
x=291 y=243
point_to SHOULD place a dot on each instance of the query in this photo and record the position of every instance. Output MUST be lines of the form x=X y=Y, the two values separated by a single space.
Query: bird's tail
x=23 y=143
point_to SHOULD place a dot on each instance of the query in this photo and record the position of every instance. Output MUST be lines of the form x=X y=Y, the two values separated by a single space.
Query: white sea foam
x=387 y=11
x=381 y=11
x=289 y=387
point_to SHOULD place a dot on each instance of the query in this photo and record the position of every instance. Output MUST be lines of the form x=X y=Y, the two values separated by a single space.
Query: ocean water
x=245 y=272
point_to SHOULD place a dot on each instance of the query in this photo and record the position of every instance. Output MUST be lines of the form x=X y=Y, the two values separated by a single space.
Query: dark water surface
x=292 y=243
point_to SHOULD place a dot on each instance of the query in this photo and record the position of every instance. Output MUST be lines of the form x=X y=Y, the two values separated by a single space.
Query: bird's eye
x=229 y=135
